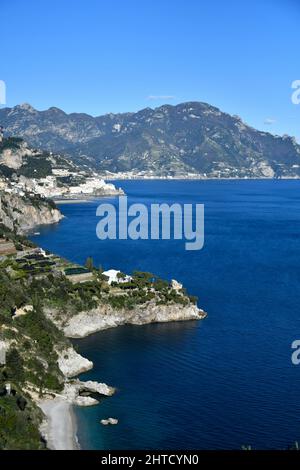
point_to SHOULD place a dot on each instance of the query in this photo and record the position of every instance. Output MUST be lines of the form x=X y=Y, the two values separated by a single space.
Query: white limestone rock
x=23 y=311
x=97 y=387
x=71 y=363
x=176 y=285
x=104 y=316
x=77 y=392
x=112 y=421
x=85 y=401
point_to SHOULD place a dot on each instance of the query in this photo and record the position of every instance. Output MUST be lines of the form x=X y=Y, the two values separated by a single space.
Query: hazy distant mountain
x=169 y=140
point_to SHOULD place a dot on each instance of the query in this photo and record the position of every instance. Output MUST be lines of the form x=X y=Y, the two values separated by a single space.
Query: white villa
x=112 y=275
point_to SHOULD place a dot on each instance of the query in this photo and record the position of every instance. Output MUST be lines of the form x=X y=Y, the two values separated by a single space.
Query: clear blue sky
x=100 y=56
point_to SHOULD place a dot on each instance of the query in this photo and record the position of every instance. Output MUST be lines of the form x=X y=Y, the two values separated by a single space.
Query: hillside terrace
x=36 y=262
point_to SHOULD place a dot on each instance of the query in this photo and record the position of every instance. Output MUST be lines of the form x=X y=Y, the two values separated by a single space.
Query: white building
x=112 y=275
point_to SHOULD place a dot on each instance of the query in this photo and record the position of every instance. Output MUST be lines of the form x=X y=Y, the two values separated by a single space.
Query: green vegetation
x=31 y=358
x=19 y=427
x=144 y=287
x=89 y=264
x=37 y=166
x=20 y=285
x=17 y=239
x=42 y=336
x=62 y=295
x=6 y=172
x=39 y=281
x=10 y=143
x=37 y=201
x=15 y=366
x=76 y=270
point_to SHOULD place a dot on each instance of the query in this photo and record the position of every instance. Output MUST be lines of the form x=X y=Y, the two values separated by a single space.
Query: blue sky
x=99 y=56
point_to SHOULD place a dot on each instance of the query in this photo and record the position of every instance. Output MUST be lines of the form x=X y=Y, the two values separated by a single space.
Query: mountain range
x=188 y=139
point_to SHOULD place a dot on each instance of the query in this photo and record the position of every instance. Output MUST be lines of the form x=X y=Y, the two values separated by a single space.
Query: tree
x=89 y=264
x=121 y=275
x=100 y=269
x=14 y=364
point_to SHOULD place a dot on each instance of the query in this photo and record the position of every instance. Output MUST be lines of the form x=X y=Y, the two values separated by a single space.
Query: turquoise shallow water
x=222 y=382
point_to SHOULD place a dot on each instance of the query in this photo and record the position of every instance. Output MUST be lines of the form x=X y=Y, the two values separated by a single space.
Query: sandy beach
x=60 y=430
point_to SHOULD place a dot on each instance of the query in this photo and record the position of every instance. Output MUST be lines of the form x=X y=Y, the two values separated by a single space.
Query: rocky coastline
x=58 y=427
x=22 y=215
x=77 y=392
x=85 y=323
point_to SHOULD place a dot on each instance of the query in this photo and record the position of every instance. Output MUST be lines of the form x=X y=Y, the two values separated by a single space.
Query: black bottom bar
x=135 y=459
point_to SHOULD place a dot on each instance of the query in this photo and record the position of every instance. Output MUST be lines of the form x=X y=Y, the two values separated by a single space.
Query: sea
x=221 y=383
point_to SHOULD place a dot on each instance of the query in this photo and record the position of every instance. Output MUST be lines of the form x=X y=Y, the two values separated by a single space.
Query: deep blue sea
x=220 y=383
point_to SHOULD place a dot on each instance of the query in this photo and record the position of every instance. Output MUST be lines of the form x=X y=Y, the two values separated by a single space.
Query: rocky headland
x=104 y=316
x=49 y=300
x=22 y=214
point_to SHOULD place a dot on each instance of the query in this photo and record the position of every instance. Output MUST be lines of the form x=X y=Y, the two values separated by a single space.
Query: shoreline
x=71 y=201
x=60 y=426
x=116 y=177
x=88 y=198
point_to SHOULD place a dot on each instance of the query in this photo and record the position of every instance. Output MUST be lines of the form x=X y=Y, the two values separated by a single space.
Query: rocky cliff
x=24 y=213
x=103 y=317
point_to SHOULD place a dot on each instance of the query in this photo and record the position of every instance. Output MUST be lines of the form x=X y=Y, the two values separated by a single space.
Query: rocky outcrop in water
x=78 y=393
x=108 y=421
